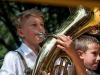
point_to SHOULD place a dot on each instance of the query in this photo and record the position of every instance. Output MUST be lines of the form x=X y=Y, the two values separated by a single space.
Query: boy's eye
x=34 y=25
x=42 y=24
x=94 y=53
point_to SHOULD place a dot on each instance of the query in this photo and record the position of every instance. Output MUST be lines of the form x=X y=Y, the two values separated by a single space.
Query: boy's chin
x=94 y=68
x=41 y=40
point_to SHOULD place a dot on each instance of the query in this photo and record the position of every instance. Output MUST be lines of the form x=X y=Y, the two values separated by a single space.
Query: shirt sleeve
x=9 y=64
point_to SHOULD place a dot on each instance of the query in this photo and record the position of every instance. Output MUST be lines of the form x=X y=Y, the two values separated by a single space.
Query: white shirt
x=90 y=72
x=13 y=65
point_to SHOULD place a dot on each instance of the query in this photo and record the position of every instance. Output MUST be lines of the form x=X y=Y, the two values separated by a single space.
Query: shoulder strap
x=27 y=71
x=25 y=65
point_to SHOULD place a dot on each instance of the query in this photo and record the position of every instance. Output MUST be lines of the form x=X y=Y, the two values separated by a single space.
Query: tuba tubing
x=81 y=20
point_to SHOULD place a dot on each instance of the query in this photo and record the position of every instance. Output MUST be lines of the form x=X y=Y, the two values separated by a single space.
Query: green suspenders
x=27 y=71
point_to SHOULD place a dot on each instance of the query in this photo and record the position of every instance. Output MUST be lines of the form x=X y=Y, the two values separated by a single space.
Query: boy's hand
x=66 y=43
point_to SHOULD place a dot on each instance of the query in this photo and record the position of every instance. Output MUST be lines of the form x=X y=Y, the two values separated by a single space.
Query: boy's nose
x=98 y=58
x=40 y=27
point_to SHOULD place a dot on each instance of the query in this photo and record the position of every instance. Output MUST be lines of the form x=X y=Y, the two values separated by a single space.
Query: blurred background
x=55 y=11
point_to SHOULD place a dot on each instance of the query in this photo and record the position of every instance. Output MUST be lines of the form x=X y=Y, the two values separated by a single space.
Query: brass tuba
x=81 y=20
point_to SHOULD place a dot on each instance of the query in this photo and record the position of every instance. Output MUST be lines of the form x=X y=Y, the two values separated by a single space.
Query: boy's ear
x=80 y=53
x=20 y=32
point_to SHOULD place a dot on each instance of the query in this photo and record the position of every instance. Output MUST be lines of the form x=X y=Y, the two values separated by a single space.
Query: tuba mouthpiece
x=41 y=34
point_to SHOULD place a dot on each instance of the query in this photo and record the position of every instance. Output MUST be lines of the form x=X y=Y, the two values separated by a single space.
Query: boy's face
x=30 y=29
x=91 y=57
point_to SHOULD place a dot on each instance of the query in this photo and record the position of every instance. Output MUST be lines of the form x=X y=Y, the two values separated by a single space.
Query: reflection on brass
x=46 y=34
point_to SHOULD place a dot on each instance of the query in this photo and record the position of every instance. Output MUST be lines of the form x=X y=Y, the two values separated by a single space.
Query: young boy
x=88 y=49
x=29 y=23
x=21 y=61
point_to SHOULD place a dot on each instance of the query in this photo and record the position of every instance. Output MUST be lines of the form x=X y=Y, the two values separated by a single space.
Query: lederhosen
x=27 y=71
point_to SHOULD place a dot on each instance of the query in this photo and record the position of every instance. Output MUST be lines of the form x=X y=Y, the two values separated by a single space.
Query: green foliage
x=3 y=51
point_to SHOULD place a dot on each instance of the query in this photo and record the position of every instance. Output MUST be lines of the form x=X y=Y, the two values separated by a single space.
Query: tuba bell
x=81 y=20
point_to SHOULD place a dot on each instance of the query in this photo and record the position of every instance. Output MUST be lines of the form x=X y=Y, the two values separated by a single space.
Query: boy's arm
x=65 y=43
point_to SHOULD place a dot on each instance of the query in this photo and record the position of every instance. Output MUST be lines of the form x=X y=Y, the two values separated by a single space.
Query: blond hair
x=23 y=16
x=82 y=42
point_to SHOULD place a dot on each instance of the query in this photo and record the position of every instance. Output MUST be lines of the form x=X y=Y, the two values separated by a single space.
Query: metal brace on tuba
x=81 y=20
